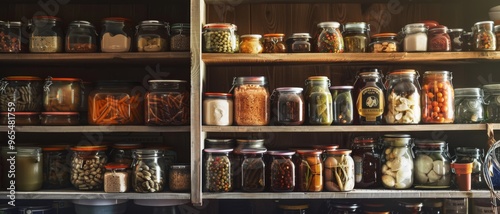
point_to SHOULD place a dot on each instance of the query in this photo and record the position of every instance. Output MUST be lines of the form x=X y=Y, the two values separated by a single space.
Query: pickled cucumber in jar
x=319 y=101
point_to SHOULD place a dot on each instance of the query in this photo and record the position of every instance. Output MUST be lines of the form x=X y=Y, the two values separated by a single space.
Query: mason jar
x=87 y=167
x=483 y=37
x=148 y=170
x=11 y=41
x=281 y=171
x=330 y=39
x=367 y=162
x=250 y=43
x=273 y=43
x=397 y=161
x=432 y=164
x=415 y=39
x=384 y=42
x=25 y=92
x=403 y=97
x=369 y=97
x=300 y=43
x=152 y=36
x=46 y=35
x=167 y=103
x=29 y=168
x=81 y=37
x=309 y=171
x=469 y=105
x=339 y=164
x=62 y=94
x=356 y=37
x=218 y=109
x=219 y=38
x=251 y=101
x=253 y=170
x=116 y=35
x=217 y=173
x=342 y=104
x=287 y=106
x=438 y=39
x=437 y=98
x=474 y=155
x=492 y=102
x=319 y=101
x=180 y=37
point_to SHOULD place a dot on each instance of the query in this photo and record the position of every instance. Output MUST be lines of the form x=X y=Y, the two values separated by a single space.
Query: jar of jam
x=438 y=39
x=180 y=36
x=251 y=101
x=415 y=39
x=483 y=37
x=11 y=37
x=397 y=161
x=356 y=37
x=319 y=100
x=370 y=100
x=81 y=37
x=408 y=207
x=47 y=35
x=62 y=94
x=474 y=155
x=253 y=170
x=384 y=42
x=218 y=170
x=116 y=178
x=492 y=102
x=288 y=106
x=250 y=43
x=469 y=105
x=167 y=103
x=367 y=163
x=152 y=36
x=116 y=35
x=29 y=168
x=301 y=43
x=219 y=38
x=218 y=109
x=342 y=104
x=497 y=36
x=24 y=91
x=330 y=39
x=273 y=43
x=455 y=35
x=86 y=161
x=148 y=170
x=437 y=97
x=281 y=171
x=293 y=209
x=432 y=164
x=60 y=118
x=122 y=153
x=20 y=118
x=339 y=170
x=309 y=171
x=403 y=97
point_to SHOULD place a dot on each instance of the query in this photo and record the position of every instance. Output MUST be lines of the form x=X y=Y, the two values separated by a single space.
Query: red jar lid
x=218 y=26
x=116 y=166
x=385 y=35
x=60 y=113
x=20 y=113
x=88 y=148
x=309 y=152
x=22 y=78
x=51 y=148
x=65 y=79
x=339 y=152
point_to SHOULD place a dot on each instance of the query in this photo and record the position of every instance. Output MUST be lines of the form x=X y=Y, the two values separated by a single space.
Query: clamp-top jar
x=397 y=162
x=152 y=36
x=492 y=101
x=116 y=35
x=384 y=42
x=251 y=101
x=356 y=37
x=432 y=164
x=148 y=170
x=24 y=91
x=273 y=43
x=483 y=37
x=438 y=39
x=474 y=155
x=300 y=43
x=369 y=97
x=179 y=37
x=437 y=97
x=167 y=103
x=469 y=105
x=287 y=106
x=403 y=97
x=47 y=35
x=81 y=37
x=86 y=161
x=55 y=167
x=415 y=37
x=29 y=169
x=62 y=94
x=11 y=41
x=330 y=39
x=219 y=38
x=367 y=162
x=342 y=104
x=319 y=100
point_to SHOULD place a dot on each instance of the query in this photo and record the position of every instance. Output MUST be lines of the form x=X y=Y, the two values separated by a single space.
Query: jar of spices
x=437 y=97
x=281 y=171
x=301 y=43
x=383 y=43
x=367 y=162
x=330 y=39
x=356 y=37
x=455 y=35
x=438 y=39
x=21 y=118
x=273 y=43
x=179 y=178
x=415 y=37
x=288 y=106
x=218 y=170
x=123 y=153
x=251 y=101
x=81 y=37
x=492 y=102
x=62 y=94
x=483 y=37
x=342 y=104
x=309 y=171
x=339 y=171
x=218 y=109
x=60 y=118
x=474 y=155
x=46 y=35
x=432 y=164
x=397 y=161
x=11 y=37
x=24 y=91
x=370 y=99
x=179 y=37
x=87 y=167
x=319 y=100
x=29 y=168
x=293 y=209
x=497 y=36
x=469 y=105
x=116 y=35
x=403 y=97
x=250 y=43
x=148 y=169
x=152 y=36
x=253 y=170
x=219 y=38
x=408 y=207
x=116 y=178
x=167 y=103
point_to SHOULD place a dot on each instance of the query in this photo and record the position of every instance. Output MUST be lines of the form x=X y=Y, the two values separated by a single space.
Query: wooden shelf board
x=74 y=194
x=129 y=57
x=68 y=129
x=321 y=1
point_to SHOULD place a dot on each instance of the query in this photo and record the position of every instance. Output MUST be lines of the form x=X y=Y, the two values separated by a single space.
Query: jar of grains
x=251 y=101
x=253 y=170
x=339 y=170
x=474 y=155
x=81 y=37
x=438 y=39
x=403 y=97
x=483 y=37
x=273 y=43
x=281 y=171
x=397 y=161
x=415 y=37
x=148 y=169
x=309 y=171
x=47 y=35
x=28 y=168
x=152 y=36
x=62 y=94
x=116 y=178
x=432 y=164
x=437 y=97
x=24 y=91
x=319 y=100
x=167 y=103
x=116 y=35
x=329 y=40
x=87 y=167
x=469 y=105
x=456 y=38
x=356 y=37
x=21 y=118
x=218 y=170
x=497 y=36
x=342 y=104
x=300 y=43
x=218 y=109
x=11 y=37
x=250 y=43
x=366 y=162
x=370 y=99
x=179 y=37
x=179 y=178
x=492 y=102
x=384 y=42
x=219 y=38
x=287 y=106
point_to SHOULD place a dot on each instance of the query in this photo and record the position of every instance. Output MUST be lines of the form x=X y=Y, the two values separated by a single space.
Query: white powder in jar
x=218 y=112
x=116 y=43
x=415 y=42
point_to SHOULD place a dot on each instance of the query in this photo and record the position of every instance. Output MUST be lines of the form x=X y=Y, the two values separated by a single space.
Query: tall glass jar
x=474 y=155
x=218 y=109
x=403 y=97
x=356 y=37
x=123 y=153
x=218 y=170
x=370 y=102
x=167 y=103
x=455 y=35
x=29 y=168
x=62 y=94
x=438 y=39
x=24 y=91
x=384 y=42
x=250 y=43
x=81 y=37
x=55 y=167
x=273 y=43
x=492 y=101
x=152 y=36
x=483 y=37
x=281 y=171
x=253 y=170
x=342 y=104
x=87 y=167
x=367 y=162
x=432 y=164
x=46 y=35
x=309 y=171
x=148 y=169
x=180 y=36
x=339 y=171
x=219 y=38
x=437 y=97
x=397 y=162
x=288 y=106
x=319 y=100
x=11 y=39
x=469 y=105
x=415 y=37
x=330 y=39
x=116 y=35
x=300 y=43
x=251 y=101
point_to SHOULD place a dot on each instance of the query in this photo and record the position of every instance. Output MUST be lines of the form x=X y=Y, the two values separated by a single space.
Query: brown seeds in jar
x=179 y=178
x=148 y=177
x=87 y=173
x=251 y=104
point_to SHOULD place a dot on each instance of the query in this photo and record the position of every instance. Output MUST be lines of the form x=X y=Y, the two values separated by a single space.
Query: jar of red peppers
x=288 y=106
x=330 y=39
x=366 y=162
x=437 y=97
x=339 y=170
x=253 y=170
x=438 y=39
x=281 y=171
x=309 y=171
x=251 y=101
x=167 y=103
x=319 y=100
x=10 y=37
x=218 y=170
x=356 y=37
x=273 y=43
x=483 y=37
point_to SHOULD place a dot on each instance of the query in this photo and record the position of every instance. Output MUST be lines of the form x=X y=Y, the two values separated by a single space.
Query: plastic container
x=330 y=38
x=309 y=171
x=367 y=162
x=281 y=171
x=319 y=101
x=369 y=97
x=86 y=161
x=180 y=37
x=152 y=36
x=456 y=39
x=483 y=37
x=287 y=105
x=179 y=178
x=339 y=171
x=29 y=168
x=100 y=206
x=250 y=43
x=218 y=109
x=356 y=37
x=463 y=175
x=251 y=101
x=116 y=35
x=469 y=105
x=403 y=97
x=81 y=37
x=437 y=98
x=46 y=35
x=384 y=43
x=217 y=174
x=415 y=37
x=342 y=104
x=432 y=164
x=273 y=43
x=20 y=118
x=219 y=38
x=253 y=170
x=492 y=102
x=60 y=118
x=11 y=39
x=148 y=171
x=123 y=153
x=56 y=167
x=116 y=178
x=167 y=103
x=438 y=39
x=24 y=91
x=474 y=155
x=397 y=162
x=62 y=94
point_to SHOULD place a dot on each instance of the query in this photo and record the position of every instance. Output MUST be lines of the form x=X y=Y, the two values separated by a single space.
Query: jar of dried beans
x=81 y=37
x=218 y=109
x=300 y=43
x=219 y=38
x=218 y=170
x=342 y=104
x=253 y=170
x=432 y=164
x=437 y=97
x=24 y=91
x=492 y=102
x=250 y=43
x=62 y=94
x=10 y=37
x=339 y=171
x=281 y=171
x=116 y=35
x=179 y=37
x=167 y=103
x=367 y=162
x=483 y=37
x=273 y=43
x=116 y=178
x=148 y=171
x=369 y=97
x=87 y=167
x=356 y=37
x=403 y=97
x=415 y=37
x=438 y=39
x=397 y=161
x=330 y=39
x=309 y=171
x=152 y=36
x=469 y=105
x=384 y=42
x=456 y=38
x=287 y=106
x=47 y=35
x=251 y=101
x=319 y=100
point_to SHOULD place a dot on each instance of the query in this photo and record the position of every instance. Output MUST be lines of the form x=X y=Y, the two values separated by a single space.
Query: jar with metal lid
x=492 y=102
x=403 y=97
x=116 y=103
x=342 y=104
x=432 y=206
x=87 y=161
x=383 y=43
x=309 y=171
x=356 y=37
x=60 y=118
x=28 y=169
x=25 y=92
x=456 y=39
x=250 y=43
x=148 y=170
x=474 y=155
x=253 y=170
x=219 y=143
x=123 y=153
x=281 y=171
x=180 y=36
x=11 y=37
x=81 y=37
x=370 y=100
x=319 y=101
x=62 y=94
x=219 y=38
x=251 y=101
x=179 y=178
x=409 y=207
x=152 y=36
x=116 y=35
x=288 y=106
x=237 y=158
x=301 y=43
x=497 y=36
x=437 y=98
x=218 y=109
x=432 y=164
x=483 y=37
x=293 y=209
x=167 y=103
x=367 y=162
x=217 y=174
x=415 y=37
x=20 y=118
x=46 y=35
x=273 y=43
x=438 y=39
x=339 y=171
x=330 y=39
x=397 y=161
x=469 y=105
x=116 y=178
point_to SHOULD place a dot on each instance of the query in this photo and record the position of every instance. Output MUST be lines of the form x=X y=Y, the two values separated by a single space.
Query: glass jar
x=455 y=35
x=474 y=155
x=293 y=209
x=62 y=94
x=438 y=39
x=432 y=164
x=309 y=171
x=469 y=105
x=152 y=36
x=123 y=153
x=46 y=35
x=116 y=35
x=60 y=118
x=403 y=97
x=356 y=37
x=410 y=207
x=273 y=43
x=497 y=36
x=281 y=171
x=492 y=102
x=339 y=171
x=330 y=39
x=250 y=43
x=148 y=169
x=432 y=206
x=370 y=101
x=415 y=37
x=397 y=162
x=383 y=43
x=20 y=118
x=87 y=167
x=319 y=100
x=345 y=208
x=24 y=91
x=301 y=43
x=288 y=106
x=218 y=170
x=28 y=169
x=180 y=36
x=219 y=143
x=218 y=109
x=179 y=178
x=116 y=103
x=367 y=163
x=253 y=170
x=437 y=97
x=116 y=178
x=251 y=101
x=467 y=42
x=81 y=37
x=342 y=105
x=219 y=38
x=11 y=37
x=167 y=103
x=483 y=37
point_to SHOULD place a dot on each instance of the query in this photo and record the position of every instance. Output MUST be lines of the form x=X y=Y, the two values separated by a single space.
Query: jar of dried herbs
x=483 y=37
x=253 y=170
x=167 y=103
x=339 y=170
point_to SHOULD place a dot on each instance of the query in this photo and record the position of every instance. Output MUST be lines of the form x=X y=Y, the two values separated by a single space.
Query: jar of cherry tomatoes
x=437 y=97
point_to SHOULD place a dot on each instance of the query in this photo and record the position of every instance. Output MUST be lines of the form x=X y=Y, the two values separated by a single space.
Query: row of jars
x=117 y=35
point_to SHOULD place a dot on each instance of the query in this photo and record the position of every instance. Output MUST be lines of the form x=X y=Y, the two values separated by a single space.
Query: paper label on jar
x=371 y=103
x=358 y=168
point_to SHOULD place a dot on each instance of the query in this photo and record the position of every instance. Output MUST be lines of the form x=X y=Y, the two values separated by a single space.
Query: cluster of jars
x=45 y=34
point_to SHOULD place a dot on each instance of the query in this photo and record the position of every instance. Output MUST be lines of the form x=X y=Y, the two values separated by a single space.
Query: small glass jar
x=47 y=35
x=492 y=102
x=356 y=37
x=251 y=101
x=87 y=167
x=218 y=109
x=218 y=170
x=281 y=171
x=370 y=98
x=469 y=105
x=384 y=43
x=81 y=37
x=152 y=36
x=167 y=103
x=116 y=35
x=253 y=170
x=148 y=169
x=123 y=153
x=397 y=162
x=273 y=43
x=438 y=39
x=432 y=164
x=415 y=37
x=403 y=97
x=24 y=91
x=116 y=178
x=250 y=43
x=293 y=209
x=20 y=118
x=456 y=39
x=179 y=178
x=180 y=36
x=319 y=100
x=339 y=171
x=309 y=171
x=62 y=94
x=219 y=38
x=367 y=162
x=60 y=118
x=288 y=106
x=342 y=104
x=301 y=43
x=437 y=98
x=330 y=39
x=497 y=36
x=28 y=169
x=474 y=155
x=483 y=37
x=346 y=208
x=410 y=208
x=11 y=37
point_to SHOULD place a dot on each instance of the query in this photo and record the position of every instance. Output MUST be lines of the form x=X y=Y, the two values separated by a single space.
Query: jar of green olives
x=319 y=100
x=219 y=38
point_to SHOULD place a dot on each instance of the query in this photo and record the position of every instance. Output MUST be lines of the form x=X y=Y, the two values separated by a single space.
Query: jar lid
x=179 y=26
x=219 y=140
x=218 y=95
x=446 y=73
x=318 y=78
x=384 y=35
x=469 y=151
x=290 y=89
x=429 y=23
x=10 y=24
x=309 y=152
x=301 y=36
x=30 y=113
x=403 y=72
x=115 y=19
x=363 y=140
x=217 y=150
x=341 y=87
x=328 y=24
x=339 y=152
x=429 y=143
x=484 y=23
x=326 y=147
x=281 y=152
x=99 y=202
x=293 y=207
x=257 y=80
x=180 y=166
x=415 y=25
x=255 y=36
x=252 y=151
x=357 y=25
x=22 y=78
x=455 y=30
x=127 y=145
x=80 y=23
x=147 y=151
x=64 y=79
x=370 y=74
x=47 y=18
x=497 y=28
x=274 y=35
x=53 y=148
x=249 y=143
x=468 y=92
x=116 y=166
x=88 y=148
x=438 y=28
x=67 y=113
x=219 y=26
x=368 y=69
x=491 y=87
x=151 y=23
x=167 y=81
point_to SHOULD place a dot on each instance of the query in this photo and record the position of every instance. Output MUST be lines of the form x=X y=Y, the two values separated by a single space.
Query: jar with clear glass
x=384 y=43
x=281 y=171
x=81 y=37
x=356 y=37
x=415 y=39
x=330 y=38
x=438 y=39
x=148 y=170
x=287 y=106
x=342 y=104
x=432 y=164
x=60 y=118
x=123 y=153
x=319 y=101
x=253 y=170
x=300 y=43
x=167 y=103
x=469 y=105
x=218 y=109
x=46 y=35
x=152 y=36
x=211 y=143
x=437 y=97
x=309 y=171
x=403 y=97
x=116 y=178
x=11 y=39
x=474 y=155
x=497 y=36
x=20 y=118
x=28 y=169
x=219 y=38
x=409 y=207
x=367 y=162
x=274 y=43
x=180 y=36
x=179 y=178
x=62 y=94
x=456 y=39
x=217 y=173
x=397 y=161
x=87 y=167
x=339 y=171
x=116 y=35
x=370 y=97
x=251 y=101
x=250 y=43
x=24 y=91
x=492 y=102
x=483 y=38
x=346 y=208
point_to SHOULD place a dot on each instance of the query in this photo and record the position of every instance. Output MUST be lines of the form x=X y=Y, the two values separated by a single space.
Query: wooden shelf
x=74 y=194
x=323 y=1
x=67 y=129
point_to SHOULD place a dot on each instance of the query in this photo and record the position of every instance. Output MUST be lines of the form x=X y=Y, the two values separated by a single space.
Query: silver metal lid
x=357 y=25
x=468 y=92
x=341 y=87
x=455 y=30
x=152 y=23
x=290 y=89
x=328 y=24
x=80 y=23
x=256 y=36
x=257 y=80
x=301 y=35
